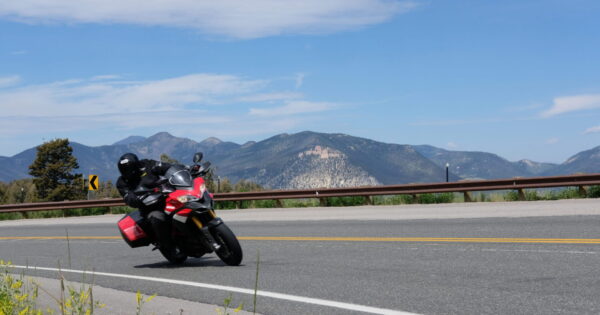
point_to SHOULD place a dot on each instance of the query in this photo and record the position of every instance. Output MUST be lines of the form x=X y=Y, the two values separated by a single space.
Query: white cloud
x=231 y=18
x=526 y=108
x=292 y=108
x=105 y=77
x=451 y=145
x=9 y=81
x=595 y=129
x=552 y=141
x=270 y=97
x=216 y=104
x=299 y=80
x=92 y=97
x=568 y=104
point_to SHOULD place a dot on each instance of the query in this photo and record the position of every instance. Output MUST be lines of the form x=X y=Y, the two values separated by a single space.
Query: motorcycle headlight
x=187 y=198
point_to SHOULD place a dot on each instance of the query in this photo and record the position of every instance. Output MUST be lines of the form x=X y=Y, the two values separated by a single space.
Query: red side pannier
x=131 y=230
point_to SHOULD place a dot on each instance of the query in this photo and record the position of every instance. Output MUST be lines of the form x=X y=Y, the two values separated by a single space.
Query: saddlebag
x=132 y=229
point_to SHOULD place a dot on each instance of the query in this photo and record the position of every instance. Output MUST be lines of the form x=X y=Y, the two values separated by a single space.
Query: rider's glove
x=132 y=200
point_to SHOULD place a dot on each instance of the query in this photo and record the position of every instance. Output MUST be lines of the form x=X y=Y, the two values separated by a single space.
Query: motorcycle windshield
x=179 y=176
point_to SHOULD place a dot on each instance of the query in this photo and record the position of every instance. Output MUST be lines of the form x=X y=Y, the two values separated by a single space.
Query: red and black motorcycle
x=196 y=230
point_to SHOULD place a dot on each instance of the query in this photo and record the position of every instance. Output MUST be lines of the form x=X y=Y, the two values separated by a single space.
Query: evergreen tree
x=226 y=185
x=167 y=159
x=3 y=194
x=245 y=185
x=52 y=171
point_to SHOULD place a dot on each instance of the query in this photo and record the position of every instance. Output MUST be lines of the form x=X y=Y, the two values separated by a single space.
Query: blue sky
x=517 y=78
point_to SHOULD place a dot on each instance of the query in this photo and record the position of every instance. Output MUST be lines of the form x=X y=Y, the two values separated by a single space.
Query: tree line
x=54 y=179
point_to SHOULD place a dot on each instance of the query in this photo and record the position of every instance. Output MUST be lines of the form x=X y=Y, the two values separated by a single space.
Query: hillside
x=310 y=159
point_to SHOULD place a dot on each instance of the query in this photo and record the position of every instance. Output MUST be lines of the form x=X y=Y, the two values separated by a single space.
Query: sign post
x=92 y=184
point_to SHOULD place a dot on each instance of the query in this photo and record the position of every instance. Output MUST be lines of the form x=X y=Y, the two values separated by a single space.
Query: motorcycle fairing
x=174 y=205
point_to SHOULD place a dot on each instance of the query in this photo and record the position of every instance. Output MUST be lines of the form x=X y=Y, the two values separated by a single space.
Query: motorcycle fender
x=215 y=222
x=182 y=215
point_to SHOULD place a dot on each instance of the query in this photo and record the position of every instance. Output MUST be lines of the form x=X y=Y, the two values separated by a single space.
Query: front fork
x=206 y=232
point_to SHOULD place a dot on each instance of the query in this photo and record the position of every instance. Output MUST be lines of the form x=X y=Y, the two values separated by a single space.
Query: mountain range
x=309 y=160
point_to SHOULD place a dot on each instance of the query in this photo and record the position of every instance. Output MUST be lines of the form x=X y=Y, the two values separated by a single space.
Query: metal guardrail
x=410 y=189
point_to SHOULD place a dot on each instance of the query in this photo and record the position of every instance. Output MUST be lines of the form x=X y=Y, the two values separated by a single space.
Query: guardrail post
x=467 y=196
x=279 y=203
x=24 y=214
x=521 y=195
x=582 y=191
x=368 y=200
x=323 y=202
x=415 y=198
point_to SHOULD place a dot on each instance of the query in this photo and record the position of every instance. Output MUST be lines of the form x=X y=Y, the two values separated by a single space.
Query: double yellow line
x=428 y=239
x=355 y=239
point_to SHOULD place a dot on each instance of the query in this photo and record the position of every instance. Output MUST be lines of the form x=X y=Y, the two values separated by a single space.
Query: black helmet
x=129 y=166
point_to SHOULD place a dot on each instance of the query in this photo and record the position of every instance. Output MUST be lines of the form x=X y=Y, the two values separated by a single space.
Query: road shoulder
x=121 y=302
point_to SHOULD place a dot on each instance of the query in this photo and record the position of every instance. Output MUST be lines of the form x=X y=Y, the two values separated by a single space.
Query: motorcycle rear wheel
x=177 y=259
x=230 y=251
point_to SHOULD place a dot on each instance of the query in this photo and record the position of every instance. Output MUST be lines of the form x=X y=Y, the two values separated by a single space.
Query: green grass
x=64 y=213
x=529 y=194
x=17 y=295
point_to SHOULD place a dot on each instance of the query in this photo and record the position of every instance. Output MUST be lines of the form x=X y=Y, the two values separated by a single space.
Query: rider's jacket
x=150 y=171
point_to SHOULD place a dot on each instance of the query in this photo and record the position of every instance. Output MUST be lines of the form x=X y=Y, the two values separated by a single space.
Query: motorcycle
x=196 y=230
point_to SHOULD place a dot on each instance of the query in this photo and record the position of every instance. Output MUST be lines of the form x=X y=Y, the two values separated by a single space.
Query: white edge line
x=281 y=296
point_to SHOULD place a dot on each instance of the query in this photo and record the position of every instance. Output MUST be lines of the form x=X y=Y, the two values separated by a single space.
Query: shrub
x=594 y=192
x=344 y=201
x=436 y=198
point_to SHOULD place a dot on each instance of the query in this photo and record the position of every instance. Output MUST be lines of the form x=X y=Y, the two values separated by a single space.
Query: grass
x=18 y=295
x=64 y=213
x=530 y=195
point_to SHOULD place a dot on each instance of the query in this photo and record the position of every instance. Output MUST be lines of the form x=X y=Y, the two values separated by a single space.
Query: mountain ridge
x=309 y=159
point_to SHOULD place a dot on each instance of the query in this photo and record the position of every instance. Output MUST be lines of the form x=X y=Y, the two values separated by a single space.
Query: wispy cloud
x=595 y=129
x=518 y=109
x=231 y=18
x=188 y=101
x=299 y=80
x=552 y=141
x=93 y=97
x=105 y=77
x=270 y=97
x=292 y=108
x=451 y=145
x=567 y=104
x=459 y=122
x=9 y=81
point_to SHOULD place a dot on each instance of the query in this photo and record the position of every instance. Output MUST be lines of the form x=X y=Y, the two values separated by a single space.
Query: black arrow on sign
x=93 y=182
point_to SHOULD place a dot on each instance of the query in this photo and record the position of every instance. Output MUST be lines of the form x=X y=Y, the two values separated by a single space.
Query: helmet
x=129 y=166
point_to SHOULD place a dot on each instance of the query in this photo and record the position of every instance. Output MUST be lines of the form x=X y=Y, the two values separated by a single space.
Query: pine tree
x=167 y=159
x=52 y=171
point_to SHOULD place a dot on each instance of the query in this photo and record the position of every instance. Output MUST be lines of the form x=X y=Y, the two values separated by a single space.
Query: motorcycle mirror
x=206 y=165
x=198 y=157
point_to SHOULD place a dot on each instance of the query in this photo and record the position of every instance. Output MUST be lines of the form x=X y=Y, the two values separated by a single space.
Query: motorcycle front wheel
x=230 y=251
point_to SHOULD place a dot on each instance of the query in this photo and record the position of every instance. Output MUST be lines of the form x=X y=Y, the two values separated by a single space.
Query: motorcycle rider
x=145 y=173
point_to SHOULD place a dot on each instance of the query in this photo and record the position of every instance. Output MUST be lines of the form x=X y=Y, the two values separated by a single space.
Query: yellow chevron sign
x=93 y=182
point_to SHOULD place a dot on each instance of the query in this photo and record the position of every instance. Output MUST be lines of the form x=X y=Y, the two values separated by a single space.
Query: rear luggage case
x=132 y=229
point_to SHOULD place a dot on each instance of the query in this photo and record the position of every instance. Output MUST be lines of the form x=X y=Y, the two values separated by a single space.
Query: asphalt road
x=508 y=264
